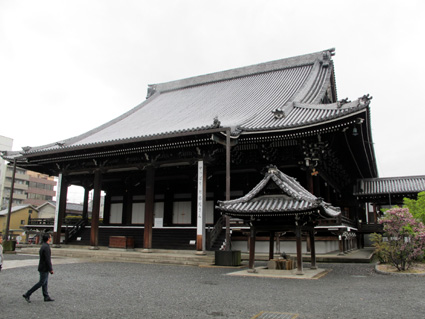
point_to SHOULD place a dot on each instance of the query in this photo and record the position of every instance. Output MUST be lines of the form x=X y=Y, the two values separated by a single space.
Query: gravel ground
x=127 y=290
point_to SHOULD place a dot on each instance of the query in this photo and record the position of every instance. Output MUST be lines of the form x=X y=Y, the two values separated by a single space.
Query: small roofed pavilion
x=279 y=203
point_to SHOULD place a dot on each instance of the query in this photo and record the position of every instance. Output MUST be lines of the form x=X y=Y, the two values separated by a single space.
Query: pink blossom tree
x=406 y=237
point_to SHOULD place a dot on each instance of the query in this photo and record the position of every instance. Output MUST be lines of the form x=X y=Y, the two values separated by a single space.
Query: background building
x=30 y=187
x=20 y=215
x=41 y=188
x=5 y=145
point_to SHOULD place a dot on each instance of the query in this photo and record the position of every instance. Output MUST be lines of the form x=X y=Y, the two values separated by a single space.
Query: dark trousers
x=44 y=277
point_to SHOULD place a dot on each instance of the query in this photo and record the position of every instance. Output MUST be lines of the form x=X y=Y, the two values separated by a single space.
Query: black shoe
x=27 y=298
x=48 y=299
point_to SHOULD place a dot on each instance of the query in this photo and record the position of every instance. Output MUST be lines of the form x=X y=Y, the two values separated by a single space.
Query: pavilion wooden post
x=299 y=251
x=200 y=224
x=271 y=245
x=60 y=209
x=149 y=207
x=252 y=250
x=312 y=250
x=94 y=234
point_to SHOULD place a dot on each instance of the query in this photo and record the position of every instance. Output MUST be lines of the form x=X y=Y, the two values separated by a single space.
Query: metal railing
x=215 y=232
x=51 y=221
x=74 y=230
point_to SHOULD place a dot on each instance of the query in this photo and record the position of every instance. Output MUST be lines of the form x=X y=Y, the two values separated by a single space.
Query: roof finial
x=278 y=114
x=151 y=90
x=327 y=54
x=365 y=100
x=342 y=102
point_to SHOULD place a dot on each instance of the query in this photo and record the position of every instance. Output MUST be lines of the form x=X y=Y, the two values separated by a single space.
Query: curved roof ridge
x=275 y=65
x=298 y=199
x=318 y=87
x=291 y=186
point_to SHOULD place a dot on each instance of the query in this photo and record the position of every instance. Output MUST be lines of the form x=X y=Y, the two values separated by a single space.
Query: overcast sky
x=69 y=66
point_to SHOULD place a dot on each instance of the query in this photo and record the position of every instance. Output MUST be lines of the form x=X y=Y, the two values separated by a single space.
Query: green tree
x=416 y=207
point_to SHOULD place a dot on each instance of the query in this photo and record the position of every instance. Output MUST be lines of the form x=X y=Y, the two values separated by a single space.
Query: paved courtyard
x=85 y=289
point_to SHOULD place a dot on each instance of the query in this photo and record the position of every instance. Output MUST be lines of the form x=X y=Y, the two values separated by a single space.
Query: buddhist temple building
x=165 y=164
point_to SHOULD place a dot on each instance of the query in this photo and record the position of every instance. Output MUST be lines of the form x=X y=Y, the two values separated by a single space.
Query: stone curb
x=381 y=272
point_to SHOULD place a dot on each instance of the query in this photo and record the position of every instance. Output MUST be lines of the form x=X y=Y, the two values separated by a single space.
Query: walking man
x=44 y=268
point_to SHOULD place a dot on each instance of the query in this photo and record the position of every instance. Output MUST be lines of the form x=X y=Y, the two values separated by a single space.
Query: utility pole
x=9 y=211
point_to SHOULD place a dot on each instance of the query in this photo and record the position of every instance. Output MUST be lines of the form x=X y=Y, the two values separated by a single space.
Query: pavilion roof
x=390 y=185
x=280 y=95
x=288 y=198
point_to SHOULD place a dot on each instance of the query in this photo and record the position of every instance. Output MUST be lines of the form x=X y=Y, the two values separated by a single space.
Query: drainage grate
x=275 y=315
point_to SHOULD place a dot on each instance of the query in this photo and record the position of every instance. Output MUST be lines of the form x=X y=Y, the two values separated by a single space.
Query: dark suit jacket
x=45 y=264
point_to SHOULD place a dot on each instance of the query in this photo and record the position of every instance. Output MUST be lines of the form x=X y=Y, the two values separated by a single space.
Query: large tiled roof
x=277 y=95
x=290 y=199
x=391 y=185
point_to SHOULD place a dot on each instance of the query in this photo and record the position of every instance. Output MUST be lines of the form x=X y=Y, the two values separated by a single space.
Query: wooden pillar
x=228 y=243
x=312 y=250
x=94 y=234
x=86 y=203
x=308 y=244
x=271 y=245
x=149 y=207
x=200 y=208
x=60 y=209
x=217 y=196
x=310 y=183
x=252 y=250
x=299 y=251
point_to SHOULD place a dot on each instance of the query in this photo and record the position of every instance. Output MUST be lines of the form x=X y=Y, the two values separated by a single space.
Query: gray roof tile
x=245 y=99
x=391 y=185
x=292 y=199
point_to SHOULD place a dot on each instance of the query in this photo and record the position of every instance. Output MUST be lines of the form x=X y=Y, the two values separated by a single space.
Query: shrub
x=406 y=237
x=381 y=248
x=9 y=245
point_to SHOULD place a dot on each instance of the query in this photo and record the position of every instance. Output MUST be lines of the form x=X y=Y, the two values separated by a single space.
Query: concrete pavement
x=180 y=257
x=100 y=289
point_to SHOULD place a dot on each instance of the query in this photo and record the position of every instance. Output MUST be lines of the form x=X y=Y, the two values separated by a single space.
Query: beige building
x=18 y=219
